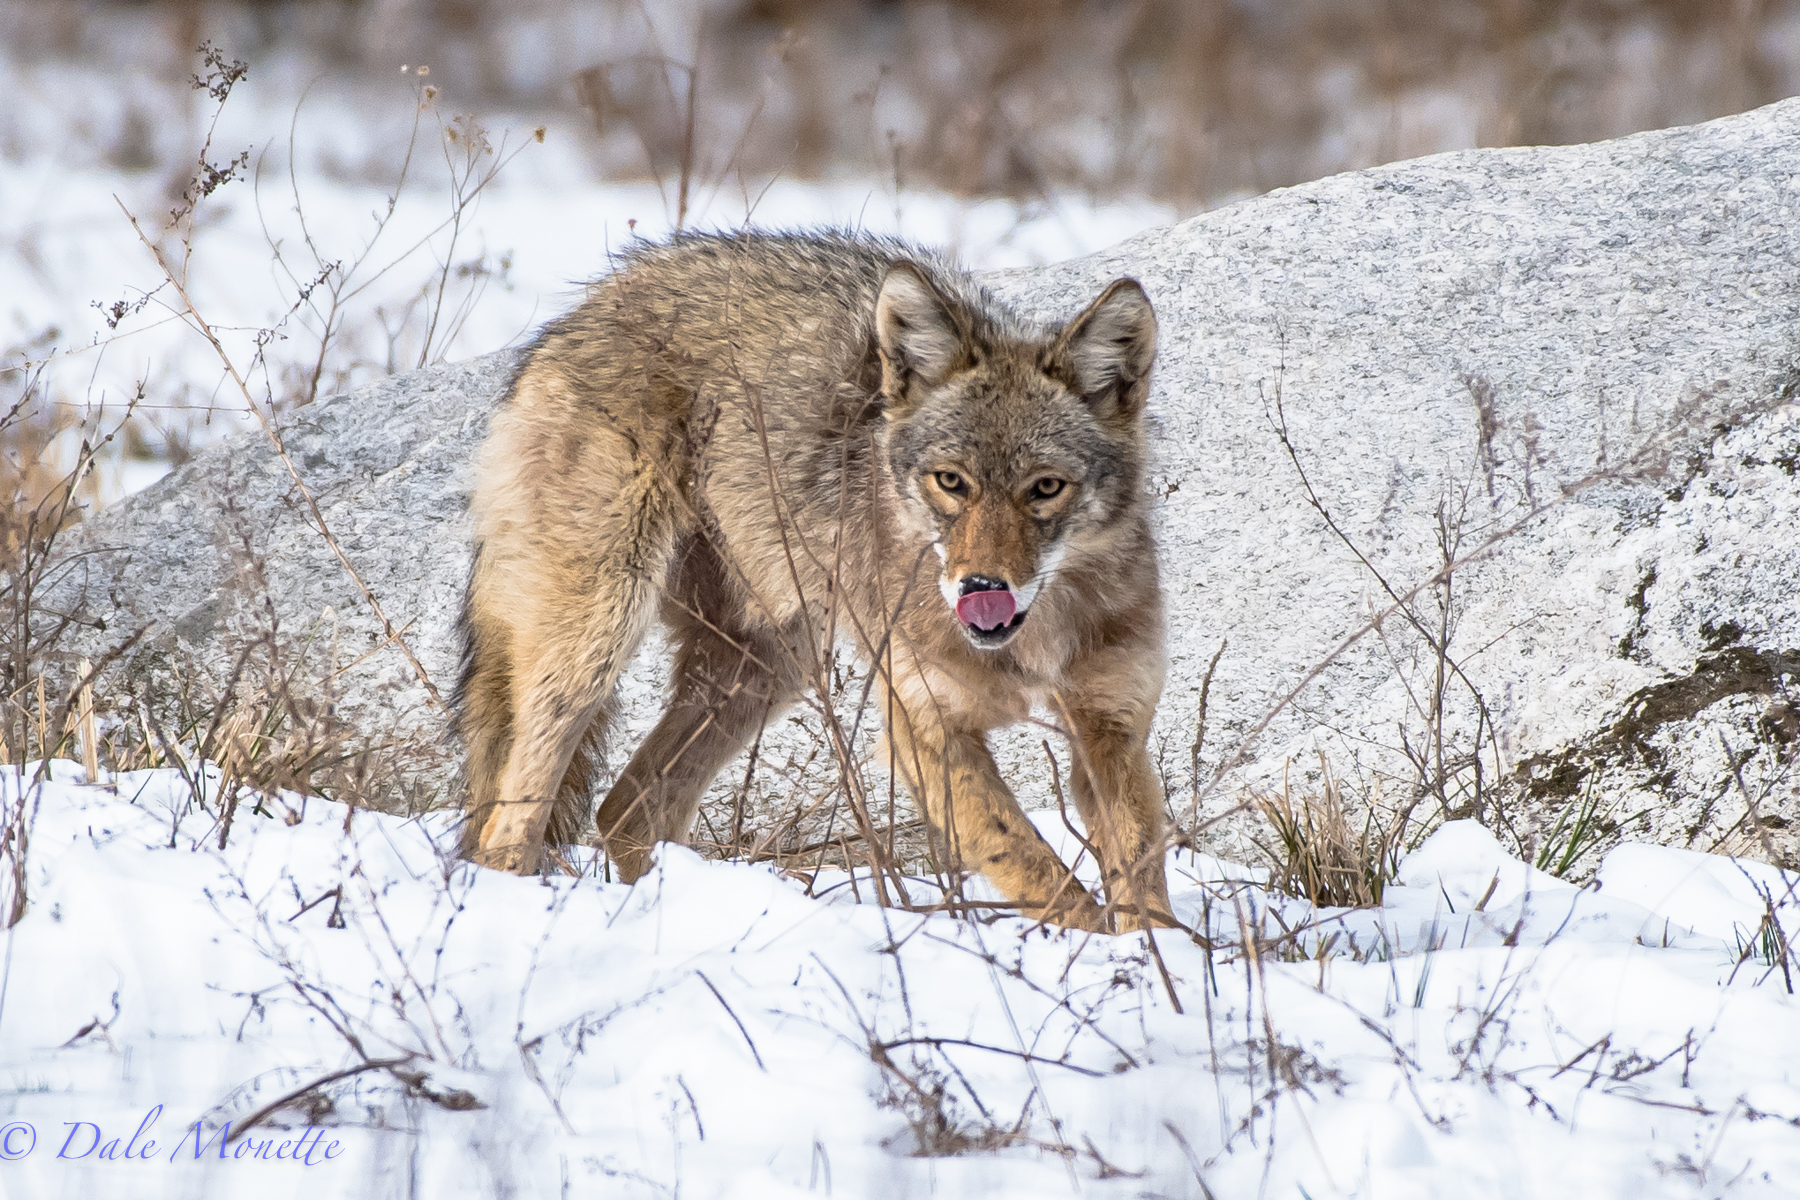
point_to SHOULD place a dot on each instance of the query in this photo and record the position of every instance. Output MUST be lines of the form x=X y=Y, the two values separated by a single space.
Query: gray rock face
x=1590 y=349
x=217 y=553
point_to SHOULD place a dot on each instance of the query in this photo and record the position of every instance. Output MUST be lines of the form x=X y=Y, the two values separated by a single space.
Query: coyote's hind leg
x=729 y=678
x=577 y=601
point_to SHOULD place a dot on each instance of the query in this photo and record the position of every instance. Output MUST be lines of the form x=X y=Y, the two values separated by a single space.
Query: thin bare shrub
x=276 y=727
x=47 y=462
x=335 y=332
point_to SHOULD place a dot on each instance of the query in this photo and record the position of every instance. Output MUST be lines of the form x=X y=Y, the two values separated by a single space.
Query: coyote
x=771 y=439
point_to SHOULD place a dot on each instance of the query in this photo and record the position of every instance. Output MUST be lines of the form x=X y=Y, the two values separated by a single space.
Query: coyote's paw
x=1078 y=912
x=1083 y=913
x=521 y=858
x=1131 y=922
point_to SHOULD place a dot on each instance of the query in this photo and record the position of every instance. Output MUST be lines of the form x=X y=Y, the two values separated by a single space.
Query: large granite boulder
x=1572 y=369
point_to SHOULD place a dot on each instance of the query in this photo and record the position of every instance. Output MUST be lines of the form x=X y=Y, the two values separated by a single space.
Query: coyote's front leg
x=977 y=821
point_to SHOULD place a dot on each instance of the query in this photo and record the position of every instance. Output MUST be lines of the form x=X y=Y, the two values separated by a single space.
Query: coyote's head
x=1012 y=447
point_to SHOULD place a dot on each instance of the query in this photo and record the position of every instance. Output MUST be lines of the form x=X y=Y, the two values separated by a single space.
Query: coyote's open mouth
x=988 y=610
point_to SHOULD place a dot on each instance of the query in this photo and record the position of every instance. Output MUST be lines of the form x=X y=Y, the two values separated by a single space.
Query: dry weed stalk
x=277 y=735
x=326 y=295
x=421 y=1028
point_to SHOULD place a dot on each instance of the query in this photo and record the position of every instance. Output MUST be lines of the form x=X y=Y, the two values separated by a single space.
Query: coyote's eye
x=951 y=482
x=1045 y=489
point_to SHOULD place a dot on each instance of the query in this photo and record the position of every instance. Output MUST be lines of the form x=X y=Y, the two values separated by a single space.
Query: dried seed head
x=537 y=135
x=423 y=70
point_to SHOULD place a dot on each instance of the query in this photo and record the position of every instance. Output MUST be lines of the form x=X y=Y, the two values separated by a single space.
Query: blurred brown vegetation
x=1190 y=101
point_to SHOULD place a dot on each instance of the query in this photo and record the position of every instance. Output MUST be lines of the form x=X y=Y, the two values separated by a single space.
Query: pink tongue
x=986 y=610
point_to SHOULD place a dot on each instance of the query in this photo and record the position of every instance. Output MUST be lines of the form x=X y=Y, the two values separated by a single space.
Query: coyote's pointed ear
x=915 y=331
x=1108 y=349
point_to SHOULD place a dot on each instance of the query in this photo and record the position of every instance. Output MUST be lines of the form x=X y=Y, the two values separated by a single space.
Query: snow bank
x=715 y=1031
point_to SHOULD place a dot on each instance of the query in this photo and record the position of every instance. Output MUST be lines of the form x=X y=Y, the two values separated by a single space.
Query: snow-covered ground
x=716 y=1030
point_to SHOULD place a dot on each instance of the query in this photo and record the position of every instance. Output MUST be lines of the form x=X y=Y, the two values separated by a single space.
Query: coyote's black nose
x=980 y=583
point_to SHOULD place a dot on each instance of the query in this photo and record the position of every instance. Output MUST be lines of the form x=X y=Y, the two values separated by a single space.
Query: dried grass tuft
x=1318 y=853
